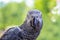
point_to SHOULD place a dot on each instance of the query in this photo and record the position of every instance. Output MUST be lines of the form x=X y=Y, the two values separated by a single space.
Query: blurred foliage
x=45 y=5
x=12 y=14
x=15 y=13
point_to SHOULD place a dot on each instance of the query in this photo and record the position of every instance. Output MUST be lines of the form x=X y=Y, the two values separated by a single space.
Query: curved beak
x=34 y=21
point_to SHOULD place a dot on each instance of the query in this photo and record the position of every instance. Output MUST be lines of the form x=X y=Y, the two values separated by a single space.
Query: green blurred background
x=13 y=13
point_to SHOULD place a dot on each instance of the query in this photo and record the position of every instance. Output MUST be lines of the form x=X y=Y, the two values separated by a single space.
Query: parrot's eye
x=32 y=16
x=36 y=16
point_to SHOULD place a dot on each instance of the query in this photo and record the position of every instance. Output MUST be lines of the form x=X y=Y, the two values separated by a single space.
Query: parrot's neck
x=26 y=27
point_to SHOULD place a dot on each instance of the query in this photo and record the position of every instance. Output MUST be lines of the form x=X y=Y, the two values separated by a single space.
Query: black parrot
x=29 y=30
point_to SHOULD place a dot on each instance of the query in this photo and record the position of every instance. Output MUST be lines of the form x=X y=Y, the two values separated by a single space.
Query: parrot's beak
x=34 y=22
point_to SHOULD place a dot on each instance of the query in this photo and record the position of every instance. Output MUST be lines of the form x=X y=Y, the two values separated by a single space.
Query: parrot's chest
x=29 y=35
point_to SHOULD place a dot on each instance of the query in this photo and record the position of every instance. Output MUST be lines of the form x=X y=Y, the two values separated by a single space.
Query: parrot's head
x=34 y=17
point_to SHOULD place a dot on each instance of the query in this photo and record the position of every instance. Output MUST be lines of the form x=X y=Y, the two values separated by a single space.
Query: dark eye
x=32 y=16
x=36 y=16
